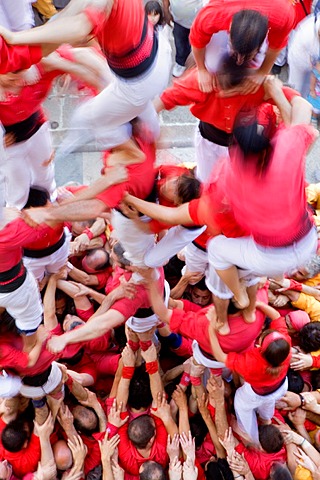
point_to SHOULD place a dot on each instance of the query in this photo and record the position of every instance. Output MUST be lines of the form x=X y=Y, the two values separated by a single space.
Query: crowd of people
x=161 y=322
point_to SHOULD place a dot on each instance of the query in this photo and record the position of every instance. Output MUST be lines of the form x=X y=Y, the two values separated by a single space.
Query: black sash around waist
x=37 y=380
x=24 y=130
x=11 y=280
x=215 y=135
x=44 y=252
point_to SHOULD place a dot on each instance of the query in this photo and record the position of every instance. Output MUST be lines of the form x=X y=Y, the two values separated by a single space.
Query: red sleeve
x=211 y=19
x=161 y=432
x=280 y=325
x=12 y=358
x=184 y=91
x=112 y=196
x=18 y=57
x=193 y=210
x=28 y=459
x=128 y=307
x=157 y=227
x=316 y=361
x=189 y=324
x=102 y=279
x=100 y=344
x=190 y=306
x=238 y=362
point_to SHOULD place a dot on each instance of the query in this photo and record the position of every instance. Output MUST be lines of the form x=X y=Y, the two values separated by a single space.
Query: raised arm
x=49 y=304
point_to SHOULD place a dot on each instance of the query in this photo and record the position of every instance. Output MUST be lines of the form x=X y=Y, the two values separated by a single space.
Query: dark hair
x=280 y=471
x=295 y=381
x=139 y=390
x=102 y=265
x=75 y=359
x=7 y=323
x=275 y=353
x=219 y=470
x=154 y=7
x=38 y=197
x=152 y=471
x=250 y=140
x=315 y=379
x=309 y=336
x=201 y=284
x=270 y=438
x=95 y=473
x=188 y=188
x=119 y=252
x=14 y=436
x=230 y=74
x=141 y=430
x=248 y=30
x=198 y=429
x=172 y=270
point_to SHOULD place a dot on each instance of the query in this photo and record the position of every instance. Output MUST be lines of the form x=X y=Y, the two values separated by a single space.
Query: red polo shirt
x=26 y=460
x=13 y=58
x=217 y=16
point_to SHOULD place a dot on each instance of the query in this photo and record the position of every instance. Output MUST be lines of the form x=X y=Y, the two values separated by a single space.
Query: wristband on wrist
x=195 y=381
x=39 y=403
x=127 y=372
x=161 y=325
x=69 y=382
x=133 y=345
x=88 y=232
x=145 y=345
x=152 y=367
x=185 y=379
x=302 y=400
x=302 y=442
x=237 y=476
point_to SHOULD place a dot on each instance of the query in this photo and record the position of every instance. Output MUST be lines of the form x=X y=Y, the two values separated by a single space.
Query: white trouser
x=16 y=15
x=25 y=167
x=24 y=305
x=220 y=289
x=120 y=102
x=244 y=253
x=196 y=259
x=174 y=241
x=247 y=403
x=9 y=385
x=51 y=384
x=39 y=267
x=207 y=154
x=135 y=242
x=303 y=50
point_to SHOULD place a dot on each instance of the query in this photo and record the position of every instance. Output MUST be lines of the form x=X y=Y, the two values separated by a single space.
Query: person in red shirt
x=138 y=56
x=264 y=370
x=250 y=25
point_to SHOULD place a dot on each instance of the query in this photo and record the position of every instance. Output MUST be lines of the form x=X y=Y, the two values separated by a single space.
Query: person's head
x=155 y=13
x=172 y=271
x=247 y=33
x=15 y=436
x=280 y=471
x=309 y=337
x=140 y=396
x=309 y=270
x=274 y=348
x=295 y=381
x=70 y=322
x=141 y=431
x=295 y=320
x=270 y=438
x=85 y=420
x=200 y=294
x=151 y=470
x=117 y=256
x=61 y=302
x=62 y=455
x=78 y=227
x=38 y=197
x=218 y=470
x=95 y=260
x=229 y=74
x=181 y=189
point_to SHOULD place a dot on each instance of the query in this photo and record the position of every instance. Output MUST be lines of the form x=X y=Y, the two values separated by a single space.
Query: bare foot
x=249 y=316
x=223 y=327
x=242 y=300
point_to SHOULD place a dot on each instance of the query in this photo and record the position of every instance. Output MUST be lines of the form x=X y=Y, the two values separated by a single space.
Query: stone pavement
x=175 y=144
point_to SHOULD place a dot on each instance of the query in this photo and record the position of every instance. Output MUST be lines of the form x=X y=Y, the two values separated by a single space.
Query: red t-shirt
x=195 y=325
x=260 y=463
x=210 y=107
x=24 y=461
x=13 y=58
x=121 y=31
x=217 y=16
x=14 y=236
x=50 y=237
x=140 y=181
x=253 y=367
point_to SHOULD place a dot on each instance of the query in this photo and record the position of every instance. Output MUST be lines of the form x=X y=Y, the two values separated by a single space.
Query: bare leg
x=231 y=278
x=221 y=306
x=249 y=313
